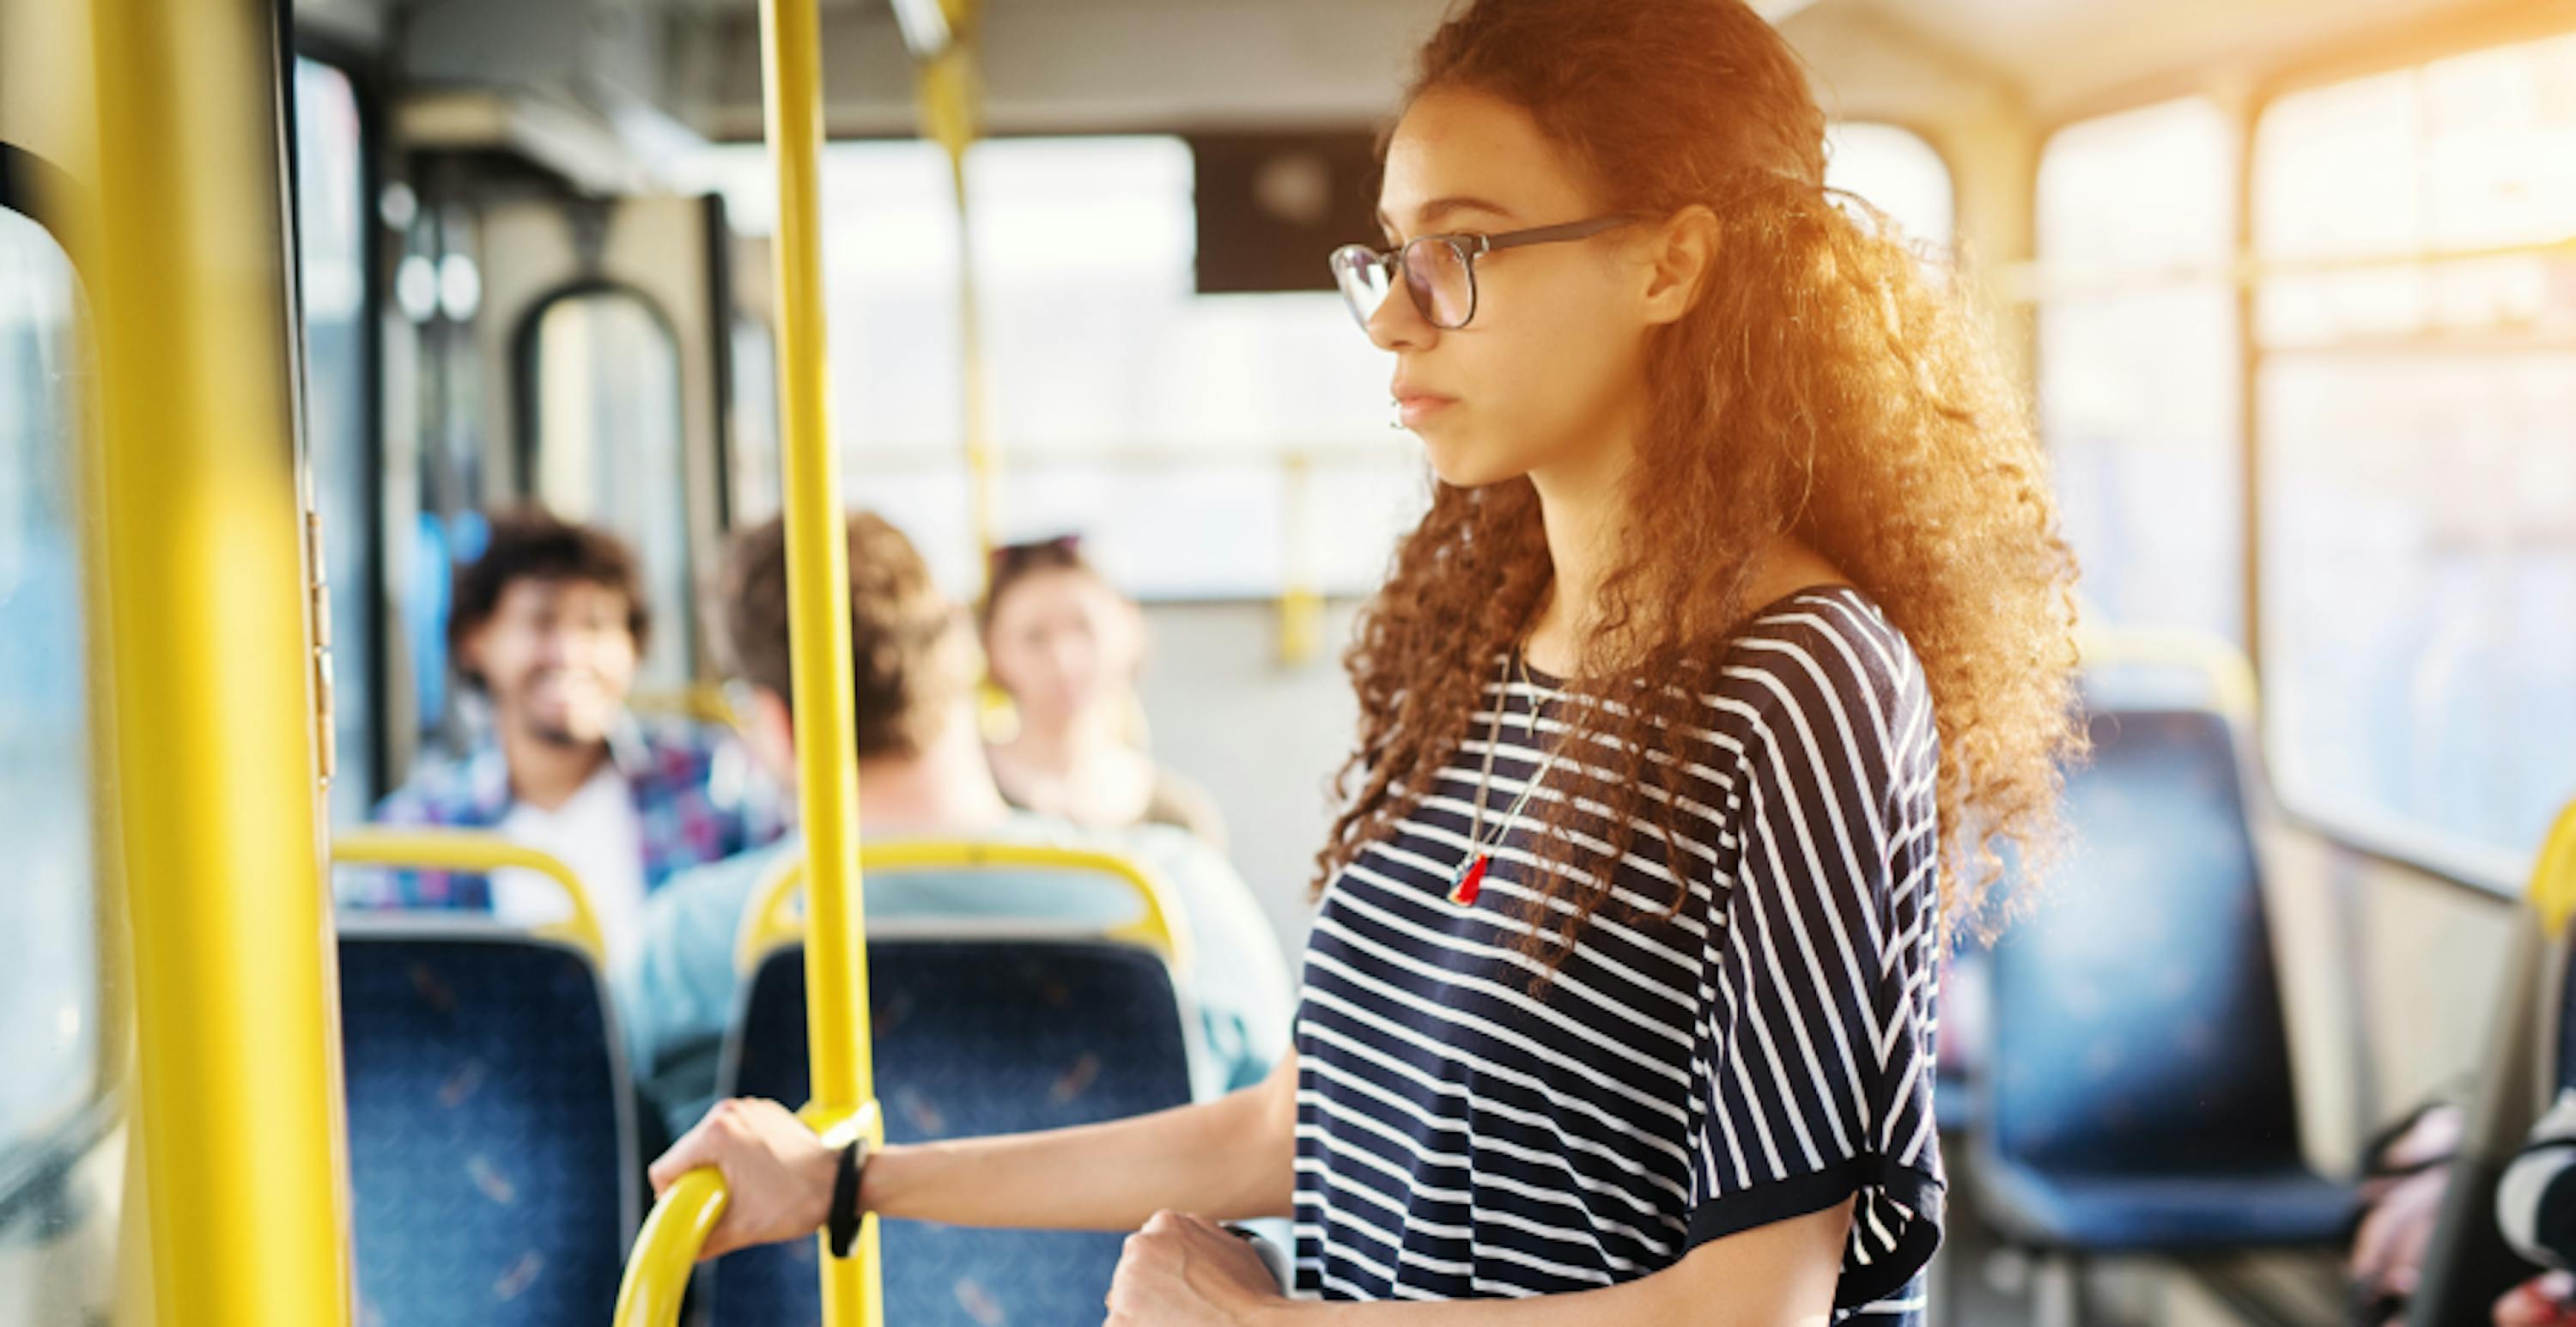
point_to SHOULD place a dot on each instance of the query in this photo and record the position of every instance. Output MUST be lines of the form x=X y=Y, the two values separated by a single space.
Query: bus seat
x=492 y=1152
x=976 y=1032
x=2139 y=1096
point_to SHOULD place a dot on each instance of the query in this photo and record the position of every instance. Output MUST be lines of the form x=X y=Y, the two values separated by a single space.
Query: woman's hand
x=778 y=1175
x=1183 y=1271
x=2542 y=1301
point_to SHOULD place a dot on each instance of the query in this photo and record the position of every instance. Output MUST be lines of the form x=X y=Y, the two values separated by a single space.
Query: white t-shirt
x=597 y=834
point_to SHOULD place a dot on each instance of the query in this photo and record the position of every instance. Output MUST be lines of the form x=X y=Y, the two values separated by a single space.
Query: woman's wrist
x=884 y=1164
x=815 y=1172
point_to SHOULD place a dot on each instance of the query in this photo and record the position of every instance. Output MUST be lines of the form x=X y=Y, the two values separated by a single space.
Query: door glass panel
x=57 y=1186
x=607 y=448
x=331 y=278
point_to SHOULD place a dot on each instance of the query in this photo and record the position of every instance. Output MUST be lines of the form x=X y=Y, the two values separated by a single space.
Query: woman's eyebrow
x=1437 y=210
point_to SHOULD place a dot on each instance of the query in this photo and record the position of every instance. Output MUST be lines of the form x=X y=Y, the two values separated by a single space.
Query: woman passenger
x=1737 y=638
x=1067 y=647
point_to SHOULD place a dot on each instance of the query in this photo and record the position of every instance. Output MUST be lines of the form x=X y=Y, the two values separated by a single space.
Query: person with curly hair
x=1736 y=642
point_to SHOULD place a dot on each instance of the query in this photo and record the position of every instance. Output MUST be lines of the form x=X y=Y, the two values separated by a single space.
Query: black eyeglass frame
x=1468 y=246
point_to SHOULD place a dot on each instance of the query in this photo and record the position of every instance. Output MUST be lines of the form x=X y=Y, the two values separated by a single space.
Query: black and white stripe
x=1763 y=1052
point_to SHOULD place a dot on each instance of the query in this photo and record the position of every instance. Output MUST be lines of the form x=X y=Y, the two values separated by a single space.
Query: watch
x=841 y=1221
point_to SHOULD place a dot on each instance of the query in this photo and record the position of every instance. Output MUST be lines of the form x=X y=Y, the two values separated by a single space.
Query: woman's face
x=1554 y=356
x=1060 y=641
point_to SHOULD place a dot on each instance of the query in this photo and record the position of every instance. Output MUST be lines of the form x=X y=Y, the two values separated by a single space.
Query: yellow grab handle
x=2553 y=875
x=771 y=920
x=657 y=1273
x=2231 y=677
x=699 y=702
x=482 y=854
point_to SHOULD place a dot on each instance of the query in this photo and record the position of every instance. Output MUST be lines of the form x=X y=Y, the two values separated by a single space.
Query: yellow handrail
x=818 y=625
x=667 y=1248
x=236 y=1082
x=480 y=854
x=1160 y=925
x=657 y=1272
x=2553 y=875
x=699 y=701
x=2230 y=676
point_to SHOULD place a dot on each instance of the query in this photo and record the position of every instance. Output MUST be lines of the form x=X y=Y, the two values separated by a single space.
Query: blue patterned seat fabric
x=2139 y=1095
x=490 y=1148
x=973 y=1037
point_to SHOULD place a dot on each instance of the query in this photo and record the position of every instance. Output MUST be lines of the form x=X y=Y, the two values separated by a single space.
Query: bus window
x=1898 y=173
x=2138 y=363
x=1121 y=402
x=605 y=447
x=51 y=1097
x=2418 y=416
x=331 y=277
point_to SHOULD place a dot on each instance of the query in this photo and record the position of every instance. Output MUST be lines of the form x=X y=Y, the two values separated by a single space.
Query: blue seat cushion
x=973 y=1037
x=489 y=1170
x=2163 y=1212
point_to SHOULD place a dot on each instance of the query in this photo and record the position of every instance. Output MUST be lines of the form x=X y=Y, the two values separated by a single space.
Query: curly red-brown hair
x=1828 y=385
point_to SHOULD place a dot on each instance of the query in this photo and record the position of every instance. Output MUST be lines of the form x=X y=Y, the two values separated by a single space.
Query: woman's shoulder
x=1824 y=662
x=1824 y=642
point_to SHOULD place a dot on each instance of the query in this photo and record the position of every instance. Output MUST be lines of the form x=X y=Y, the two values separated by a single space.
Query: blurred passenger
x=921 y=773
x=548 y=625
x=2406 y=1176
x=2536 y=1210
x=1068 y=646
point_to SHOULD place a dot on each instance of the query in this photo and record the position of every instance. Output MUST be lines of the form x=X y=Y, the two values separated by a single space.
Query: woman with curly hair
x=1737 y=640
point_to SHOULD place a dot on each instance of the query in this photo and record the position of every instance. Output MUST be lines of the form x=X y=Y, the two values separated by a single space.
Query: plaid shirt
x=695 y=798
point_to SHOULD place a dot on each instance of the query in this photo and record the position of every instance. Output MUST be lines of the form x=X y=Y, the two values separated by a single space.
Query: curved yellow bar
x=771 y=920
x=666 y=1250
x=701 y=702
x=2553 y=875
x=2231 y=676
x=482 y=854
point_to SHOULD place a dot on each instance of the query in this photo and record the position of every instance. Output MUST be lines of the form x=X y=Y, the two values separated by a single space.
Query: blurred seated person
x=2536 y=1210
x=2406 y=1176
x=1067 y=647
x=922 y=773
x=546 y=631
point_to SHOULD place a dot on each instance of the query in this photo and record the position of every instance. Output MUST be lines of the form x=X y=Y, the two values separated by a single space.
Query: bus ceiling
x=563 y=70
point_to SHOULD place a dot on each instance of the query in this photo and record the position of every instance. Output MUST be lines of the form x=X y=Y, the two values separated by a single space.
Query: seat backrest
x=2137 y=1021
x=491 y=1125
x=974 y=1035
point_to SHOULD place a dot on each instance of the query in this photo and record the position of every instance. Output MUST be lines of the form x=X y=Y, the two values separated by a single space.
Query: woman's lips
x=1415 y=409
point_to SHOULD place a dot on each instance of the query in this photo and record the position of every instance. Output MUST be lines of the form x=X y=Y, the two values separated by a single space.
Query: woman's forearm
x=1777 y=1275
x=1228 y=1159
x=1638 y=1303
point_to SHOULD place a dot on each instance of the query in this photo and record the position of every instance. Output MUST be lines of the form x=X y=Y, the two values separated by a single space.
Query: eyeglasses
x=1440 y=270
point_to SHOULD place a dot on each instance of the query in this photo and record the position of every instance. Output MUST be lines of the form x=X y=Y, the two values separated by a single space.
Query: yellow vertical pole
x=946 y=88
x=235 y=1097
x=818 y=587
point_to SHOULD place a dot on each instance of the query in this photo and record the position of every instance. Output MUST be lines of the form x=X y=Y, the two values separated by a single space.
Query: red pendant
x=1471 y=880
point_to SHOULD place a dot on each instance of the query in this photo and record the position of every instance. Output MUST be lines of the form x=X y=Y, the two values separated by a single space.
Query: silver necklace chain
x=1476 y=845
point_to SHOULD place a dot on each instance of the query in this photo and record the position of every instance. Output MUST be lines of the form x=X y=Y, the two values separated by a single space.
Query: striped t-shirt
x=1763 y=1052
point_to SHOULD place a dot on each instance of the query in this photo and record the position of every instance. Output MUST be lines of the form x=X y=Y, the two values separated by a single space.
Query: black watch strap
x=842 y=1225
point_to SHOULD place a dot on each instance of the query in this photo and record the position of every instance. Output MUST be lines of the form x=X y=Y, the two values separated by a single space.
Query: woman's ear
x=1682 y=251
x=770 y=731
